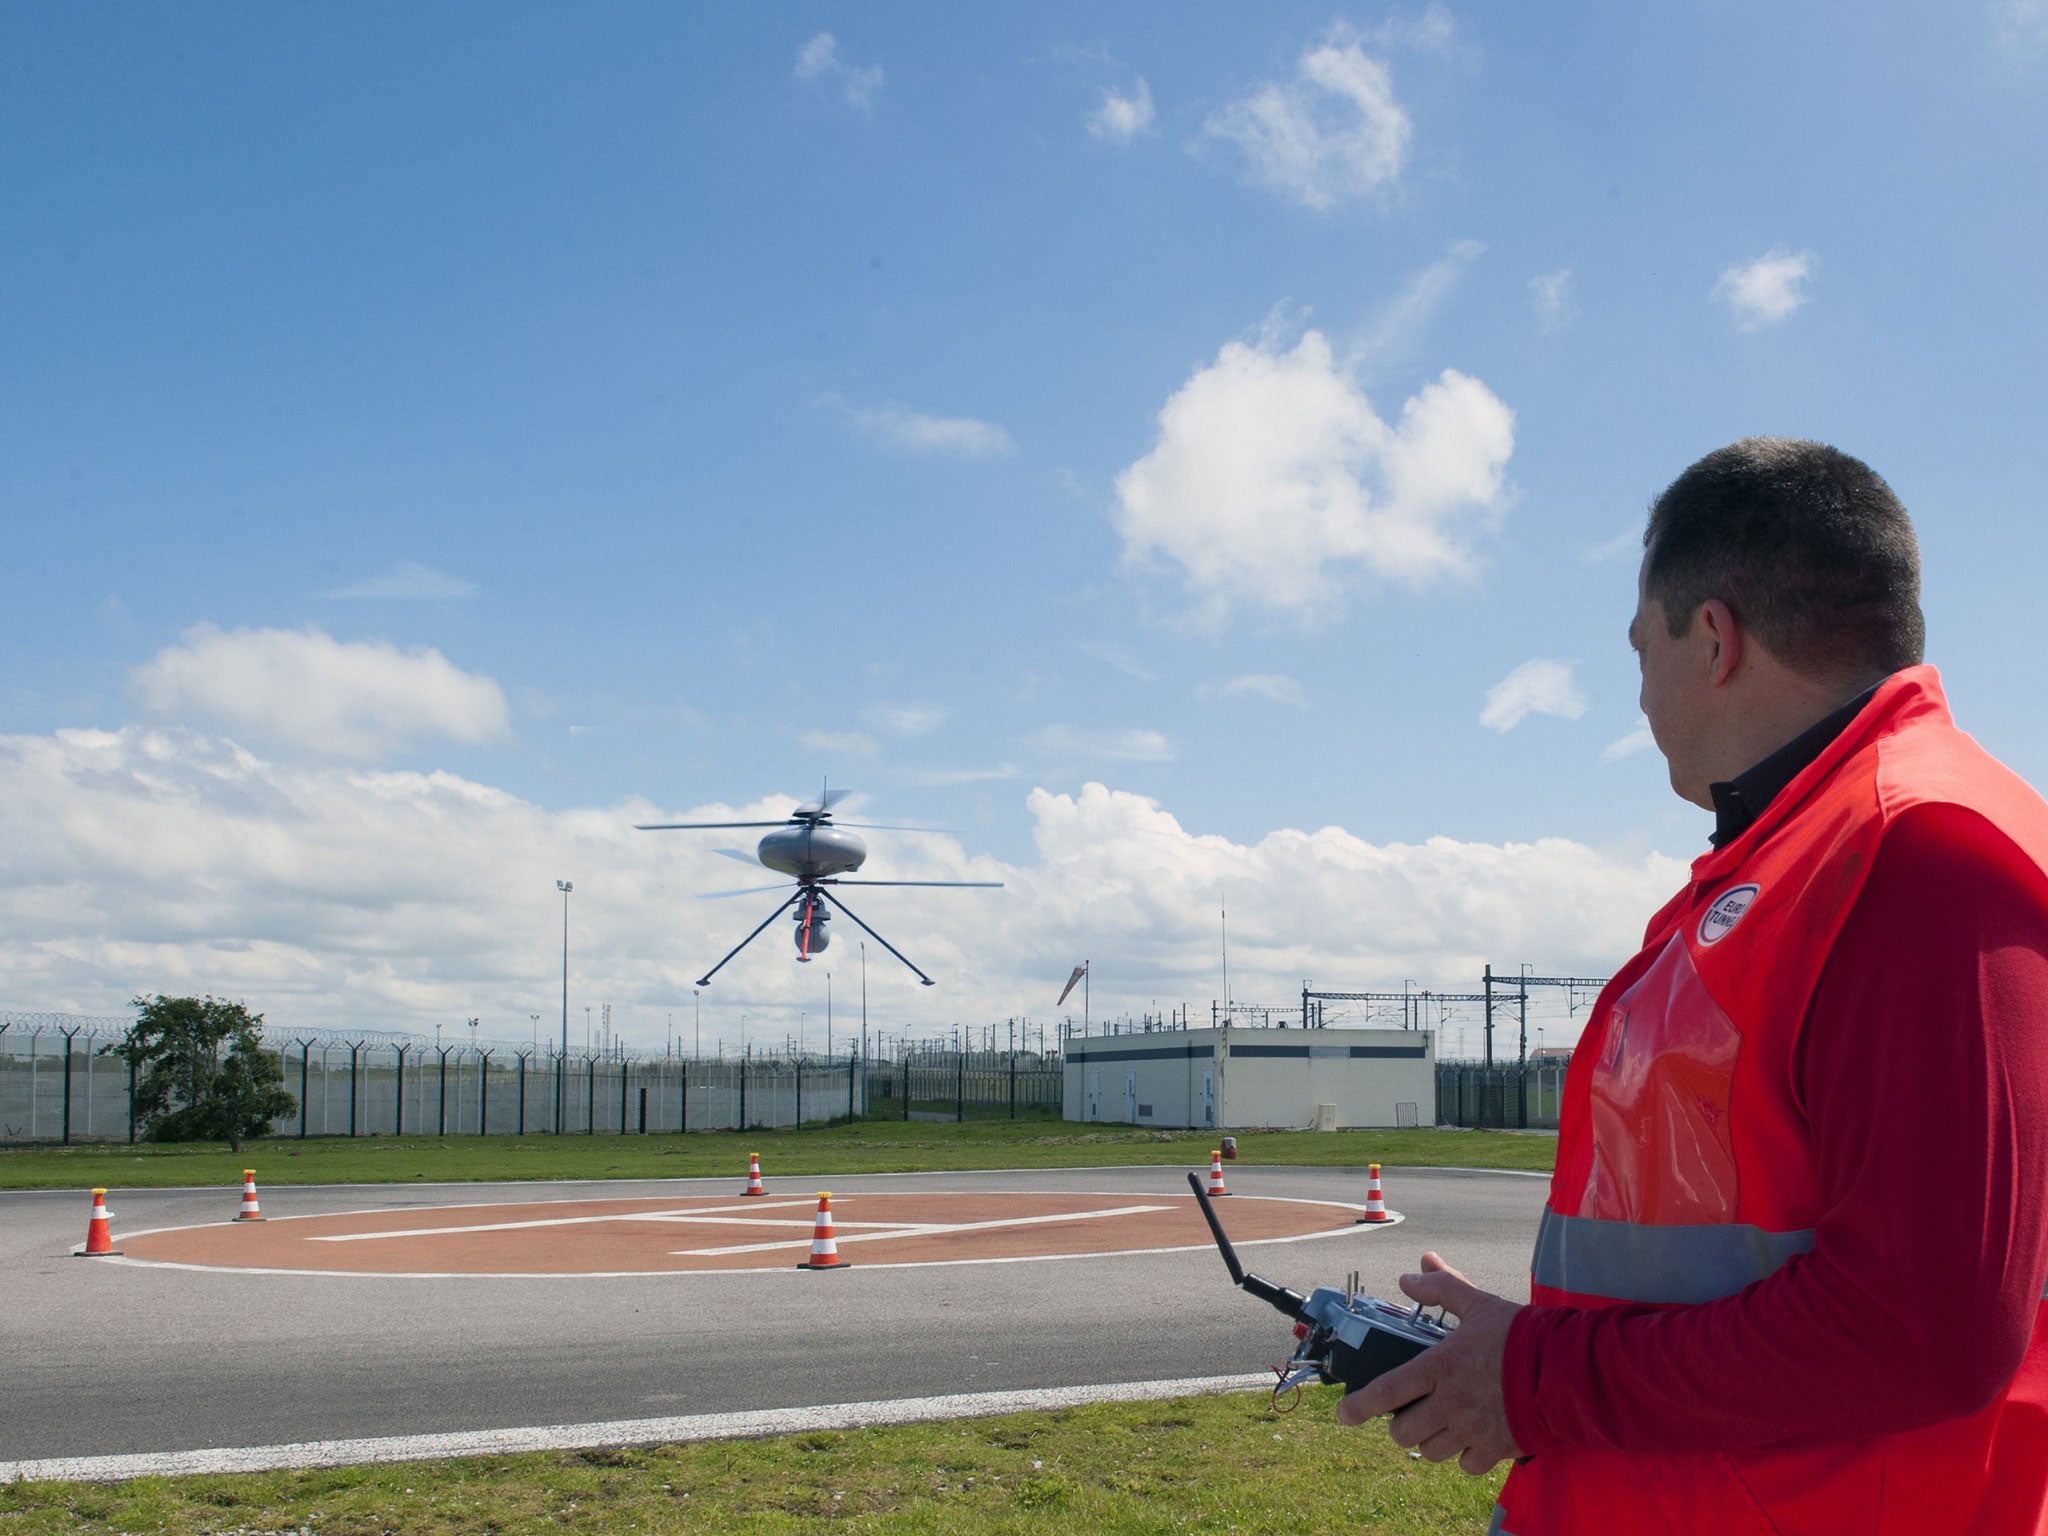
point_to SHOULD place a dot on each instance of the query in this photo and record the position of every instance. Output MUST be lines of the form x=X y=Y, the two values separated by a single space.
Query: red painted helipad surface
x=653 y=1236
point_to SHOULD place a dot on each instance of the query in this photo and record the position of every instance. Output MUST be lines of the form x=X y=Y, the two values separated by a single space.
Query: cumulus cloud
x=407 y=580
x=1550 y=294
x=909 y=431
x=1331 y=133
x=147 y=860
x=849 y=743
x=1132 y=746
x=1765 y=291
x=1275 y=483
x=1270 y=686
x=819 y=60
x=1121 y=118
x=301 y=688
x=1537 y=687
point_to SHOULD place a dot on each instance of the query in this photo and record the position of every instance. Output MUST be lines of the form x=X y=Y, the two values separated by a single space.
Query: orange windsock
x=824 y=1246
x=250 y=1210
x=1216 y=1174
x=754 y=1175
x=99 y=1242
x=1375 y=1202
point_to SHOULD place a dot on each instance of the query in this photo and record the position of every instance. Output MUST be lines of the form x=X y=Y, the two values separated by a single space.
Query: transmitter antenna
x=1279 y=1297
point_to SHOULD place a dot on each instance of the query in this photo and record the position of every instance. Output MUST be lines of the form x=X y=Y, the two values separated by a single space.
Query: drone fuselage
x=814 y=851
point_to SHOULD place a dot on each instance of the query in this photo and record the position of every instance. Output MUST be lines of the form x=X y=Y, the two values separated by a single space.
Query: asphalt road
x=99 y=1358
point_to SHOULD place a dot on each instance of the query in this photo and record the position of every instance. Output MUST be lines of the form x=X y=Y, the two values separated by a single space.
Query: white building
x=1226 y=1079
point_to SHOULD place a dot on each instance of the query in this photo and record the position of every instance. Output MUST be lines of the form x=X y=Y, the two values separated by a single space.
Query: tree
x=201 y=1071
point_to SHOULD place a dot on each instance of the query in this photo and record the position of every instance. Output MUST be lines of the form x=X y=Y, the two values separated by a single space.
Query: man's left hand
x=1448 y=1397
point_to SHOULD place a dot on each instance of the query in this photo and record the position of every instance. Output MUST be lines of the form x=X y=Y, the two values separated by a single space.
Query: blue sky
x=571 y=412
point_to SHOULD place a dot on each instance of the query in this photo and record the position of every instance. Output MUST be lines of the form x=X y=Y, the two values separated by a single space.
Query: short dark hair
x=1808 y=546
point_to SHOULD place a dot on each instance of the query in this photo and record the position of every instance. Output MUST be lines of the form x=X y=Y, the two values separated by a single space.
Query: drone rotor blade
x=877 y=826
x=705 y=979
x=842 y=906
x=832 y=797
x=752 y=890
x=958 y=885
x=701 y=826
x=734 y=853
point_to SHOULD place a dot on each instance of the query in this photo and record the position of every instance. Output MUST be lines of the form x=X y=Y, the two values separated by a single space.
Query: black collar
x=1740 y=800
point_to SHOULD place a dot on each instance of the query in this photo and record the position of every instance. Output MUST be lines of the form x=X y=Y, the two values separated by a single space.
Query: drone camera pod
x=1342 y=1338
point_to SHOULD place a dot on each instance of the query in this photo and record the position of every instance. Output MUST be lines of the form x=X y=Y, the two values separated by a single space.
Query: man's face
x=1674 y=694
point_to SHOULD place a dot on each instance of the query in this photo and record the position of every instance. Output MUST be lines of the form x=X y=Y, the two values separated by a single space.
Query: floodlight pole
x=565 y=887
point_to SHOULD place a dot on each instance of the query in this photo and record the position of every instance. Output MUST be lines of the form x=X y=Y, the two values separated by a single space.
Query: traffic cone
x=250 y=1210
x=1375 y=1203
x=99 y=1242
x=1216 y=1174
x=824 y=1247
x=753 y=1175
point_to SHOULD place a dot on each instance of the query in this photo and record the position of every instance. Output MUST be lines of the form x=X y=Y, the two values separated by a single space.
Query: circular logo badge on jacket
x=1726 y=912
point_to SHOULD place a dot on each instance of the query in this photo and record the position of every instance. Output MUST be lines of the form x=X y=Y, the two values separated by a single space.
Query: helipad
x=697 y=1233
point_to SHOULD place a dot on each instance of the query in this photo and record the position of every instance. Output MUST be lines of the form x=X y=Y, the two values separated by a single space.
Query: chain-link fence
x=57 y=1084
x=1498 y=1098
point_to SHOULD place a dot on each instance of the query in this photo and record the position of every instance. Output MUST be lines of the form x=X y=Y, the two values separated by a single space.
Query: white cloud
x=1401 y=323
x=947 y=778
x=149 y=860
x=915 y=432
x=848 y=743
x=1627 y=542
x=1132 y=746
x=2022 y=27
x=819 y=59
x=1122 y=118
x=1331 y=133
x=1271 y=686
x=1432 y=32
x=1275 y=483
x=407 y=579
x=1538 y=687
x=1637 y=740
x=358 y=699
x=1767 y=290
x=905 y=719
x=1551 y=296
x=1111 y=654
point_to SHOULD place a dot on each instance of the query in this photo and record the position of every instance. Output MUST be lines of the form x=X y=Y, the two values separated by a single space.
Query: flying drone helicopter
x=815 y=852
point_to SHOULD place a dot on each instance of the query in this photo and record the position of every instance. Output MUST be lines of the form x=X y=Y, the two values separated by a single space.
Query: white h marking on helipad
x=931 y=1229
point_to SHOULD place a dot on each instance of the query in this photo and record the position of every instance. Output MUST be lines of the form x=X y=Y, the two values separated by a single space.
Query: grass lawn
x=869 y=1146
x=1193 y=1465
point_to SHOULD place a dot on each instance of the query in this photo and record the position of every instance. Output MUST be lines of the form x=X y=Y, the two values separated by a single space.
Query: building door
x=1131 y=1098
x=1209 y=1097
x=1094 y=1095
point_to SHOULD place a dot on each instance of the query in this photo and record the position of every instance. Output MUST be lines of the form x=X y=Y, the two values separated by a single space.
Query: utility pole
x=863 y=1026
x=828 y=1015
x=561 y=1086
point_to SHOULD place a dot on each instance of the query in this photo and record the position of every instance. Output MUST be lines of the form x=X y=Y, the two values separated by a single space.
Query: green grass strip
x=1215 y=1464
x=871 y=1146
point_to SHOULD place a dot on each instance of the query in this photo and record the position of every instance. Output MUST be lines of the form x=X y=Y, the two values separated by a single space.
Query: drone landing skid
x=824 y=895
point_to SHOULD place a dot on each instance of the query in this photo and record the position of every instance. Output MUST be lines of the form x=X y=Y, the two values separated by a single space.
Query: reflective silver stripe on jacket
x=1630 y=1262
x=1497 y=1526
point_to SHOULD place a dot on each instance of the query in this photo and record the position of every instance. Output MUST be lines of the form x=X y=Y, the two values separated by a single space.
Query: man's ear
x=1723 y=640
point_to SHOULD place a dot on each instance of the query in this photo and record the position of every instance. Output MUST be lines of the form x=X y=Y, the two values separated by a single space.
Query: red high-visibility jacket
x=1688 y=1177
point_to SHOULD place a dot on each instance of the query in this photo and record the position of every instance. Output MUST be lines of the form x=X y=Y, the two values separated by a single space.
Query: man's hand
x=1451 y=1390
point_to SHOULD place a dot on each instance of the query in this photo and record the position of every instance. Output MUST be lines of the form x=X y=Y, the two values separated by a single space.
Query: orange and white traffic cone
x=99 y=1242
x=250 y=1210
x=1375 y=1202
x=1216 y=1174
x=753 y=1175
x=824 y=1246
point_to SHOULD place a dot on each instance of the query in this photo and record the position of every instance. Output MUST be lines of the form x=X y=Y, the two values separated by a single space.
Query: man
x=1790 y=1275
